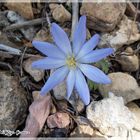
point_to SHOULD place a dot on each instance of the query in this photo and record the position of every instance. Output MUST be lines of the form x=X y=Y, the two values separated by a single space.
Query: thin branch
x=25 y=24
x=21 y=61
x=9 y=49
x=16 y=54
x=75 y=13
x=134 y=21
x=48 y=20
x=4 y=64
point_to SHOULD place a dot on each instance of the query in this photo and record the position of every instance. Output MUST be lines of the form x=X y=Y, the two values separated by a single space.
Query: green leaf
x=103 y=65
x=92 y=85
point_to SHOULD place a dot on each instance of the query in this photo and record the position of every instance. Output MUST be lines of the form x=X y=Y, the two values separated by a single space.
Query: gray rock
x=13 y=102
x=59 y=13
x=123 y=85
x=28 y=32
x=111 y=116
x=37 y=74
x=76 y=102
x=4 y=21
x=103 y=16
x=126 y=34
x=128 y=60
x=60 y=91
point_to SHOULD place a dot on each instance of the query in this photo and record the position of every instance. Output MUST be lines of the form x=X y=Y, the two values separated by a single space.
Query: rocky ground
x=114 y=110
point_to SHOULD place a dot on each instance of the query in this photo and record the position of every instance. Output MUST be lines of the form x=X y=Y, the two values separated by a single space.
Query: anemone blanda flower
x=71 y=60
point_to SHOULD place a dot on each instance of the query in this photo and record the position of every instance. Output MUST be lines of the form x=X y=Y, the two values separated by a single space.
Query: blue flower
x=71 y=60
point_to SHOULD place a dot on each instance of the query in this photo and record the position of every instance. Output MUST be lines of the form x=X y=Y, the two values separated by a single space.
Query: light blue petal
x=96 y=55
x=82 y=87
x=79 y=36
x=48 y=49
x=94 y=74
x=89 y=46
x=70 y=82
x=57 y=77
x=61 y=39
x=48 y=63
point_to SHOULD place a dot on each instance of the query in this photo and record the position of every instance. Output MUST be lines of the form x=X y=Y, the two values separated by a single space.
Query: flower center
x=71 y=62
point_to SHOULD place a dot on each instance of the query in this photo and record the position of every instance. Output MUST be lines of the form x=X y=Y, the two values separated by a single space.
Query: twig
x=5 y=55
x=17 y=54
x=9 y=49
x=131 y=9
x=21 y=61
x=25 y=24
x=7 y=65
x=138 y=49
x=134 y=21
x=48 y=20
x=75 y=9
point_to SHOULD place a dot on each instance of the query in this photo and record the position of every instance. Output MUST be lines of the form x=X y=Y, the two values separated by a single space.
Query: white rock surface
x=136 y=110
x=123 y=85
x=111 y=116
x=126 y=34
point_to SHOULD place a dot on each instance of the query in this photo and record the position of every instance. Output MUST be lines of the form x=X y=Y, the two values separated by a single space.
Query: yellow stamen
x=71 y=61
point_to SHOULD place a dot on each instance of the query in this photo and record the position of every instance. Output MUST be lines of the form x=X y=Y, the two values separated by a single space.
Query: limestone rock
x=102 y=16
x=59 y=13
x=126 y=34
x=58 y=120
x=37 y=74
x=111 y=116
x=13 y=102
x=136 y=111
x=123 y=85
x=84 y=128
x=24 y=9
x=135 y=135
x=128 y=60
